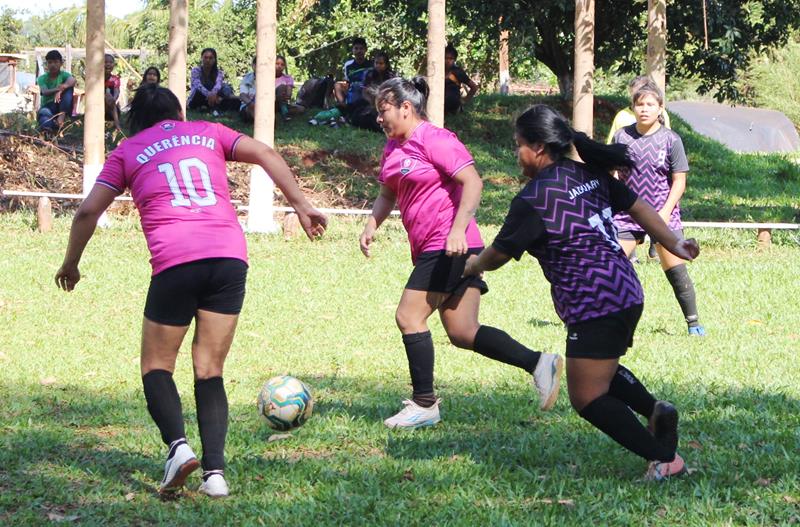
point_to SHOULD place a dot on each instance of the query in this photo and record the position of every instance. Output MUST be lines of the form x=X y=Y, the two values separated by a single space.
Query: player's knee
x=207 y=370
x=462 y=336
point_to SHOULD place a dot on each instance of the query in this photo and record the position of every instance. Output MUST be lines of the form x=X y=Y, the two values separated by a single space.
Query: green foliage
x=78 y=444
x=773 y=81
x=11 y=39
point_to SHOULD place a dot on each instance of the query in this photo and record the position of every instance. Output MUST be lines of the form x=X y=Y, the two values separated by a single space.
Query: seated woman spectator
x=151 y=75
x=208 y=88
x=454 y=78
x=55 y=88
x=284 y=85
x=112 y=88
x=362 y=113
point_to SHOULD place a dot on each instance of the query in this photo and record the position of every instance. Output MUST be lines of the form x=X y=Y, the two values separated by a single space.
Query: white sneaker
x=182 y=463
x=414 y=416
x=215 y=486
x=547 y=378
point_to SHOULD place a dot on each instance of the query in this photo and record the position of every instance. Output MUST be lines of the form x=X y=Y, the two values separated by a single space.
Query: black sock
x=164 y=404
x=613 y=417
x=212 y=420
x=630 y=390
x=419 y=350
x=498 y=345
x=683 y=288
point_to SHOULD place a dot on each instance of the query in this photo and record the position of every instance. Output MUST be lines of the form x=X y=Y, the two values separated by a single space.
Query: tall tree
x=737 y=30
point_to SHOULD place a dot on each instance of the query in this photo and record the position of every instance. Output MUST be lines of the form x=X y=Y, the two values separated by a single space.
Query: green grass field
x=78 y=445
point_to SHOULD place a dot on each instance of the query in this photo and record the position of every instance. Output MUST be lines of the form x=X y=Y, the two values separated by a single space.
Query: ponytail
x=542 y=124
x=600 y=155
x=397 y=90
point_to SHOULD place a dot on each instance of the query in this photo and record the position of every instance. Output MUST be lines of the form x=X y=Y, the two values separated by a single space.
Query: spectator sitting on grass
x=355 y=69
x=208 y=88
x=360 y=113
x=56 y=88
x=284 y=85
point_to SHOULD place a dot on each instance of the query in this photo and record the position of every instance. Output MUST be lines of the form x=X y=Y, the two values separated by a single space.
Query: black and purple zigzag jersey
x=656 y=157
x=563 y=218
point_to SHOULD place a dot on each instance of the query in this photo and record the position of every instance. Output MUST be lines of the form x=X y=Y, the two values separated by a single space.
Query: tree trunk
x=558 y=58
x=583 y=96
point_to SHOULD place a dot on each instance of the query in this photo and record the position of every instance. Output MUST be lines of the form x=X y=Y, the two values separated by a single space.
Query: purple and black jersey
x=655 y=158
x=563 y=218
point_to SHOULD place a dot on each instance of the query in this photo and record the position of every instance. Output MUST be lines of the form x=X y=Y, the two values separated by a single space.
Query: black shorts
x=606 y=337
x=213 y=284
x=639 y=235
x=436 y=272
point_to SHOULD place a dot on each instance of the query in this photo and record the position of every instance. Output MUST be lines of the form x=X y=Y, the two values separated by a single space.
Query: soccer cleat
x=180 y=463
x=663 y=424
x=214 y=485
x=697 y=331
x=313 y=122
x=547 y=378
x=414 y=416
x=662 y=470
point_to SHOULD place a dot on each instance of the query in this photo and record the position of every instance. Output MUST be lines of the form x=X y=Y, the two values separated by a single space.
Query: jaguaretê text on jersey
x=172 y=142
x=580 y=189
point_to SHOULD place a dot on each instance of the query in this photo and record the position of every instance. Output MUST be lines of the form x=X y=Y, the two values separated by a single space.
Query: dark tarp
x=739 y=128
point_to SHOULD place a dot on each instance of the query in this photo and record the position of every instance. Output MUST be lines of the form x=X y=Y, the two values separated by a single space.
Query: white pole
x=436 y=45
x=260 y=216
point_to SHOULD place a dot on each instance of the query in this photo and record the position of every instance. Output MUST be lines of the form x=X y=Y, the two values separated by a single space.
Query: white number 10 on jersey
x=185 y=167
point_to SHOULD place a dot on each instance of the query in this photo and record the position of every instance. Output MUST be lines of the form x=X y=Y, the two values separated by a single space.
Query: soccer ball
x=285 y=402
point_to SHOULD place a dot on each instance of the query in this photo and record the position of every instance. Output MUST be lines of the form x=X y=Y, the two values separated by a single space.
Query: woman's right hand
x=366 y=239
x=686 y=249
x=313 y=222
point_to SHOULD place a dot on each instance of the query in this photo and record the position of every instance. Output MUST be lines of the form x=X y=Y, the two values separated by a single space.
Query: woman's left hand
x=456 y=244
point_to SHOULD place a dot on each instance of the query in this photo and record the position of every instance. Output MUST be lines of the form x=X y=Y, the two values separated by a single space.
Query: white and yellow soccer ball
x=285 y=402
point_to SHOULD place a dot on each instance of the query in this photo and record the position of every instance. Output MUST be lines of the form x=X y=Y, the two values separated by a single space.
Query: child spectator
x=112 y=87
x=454 y=78
x=56 y=88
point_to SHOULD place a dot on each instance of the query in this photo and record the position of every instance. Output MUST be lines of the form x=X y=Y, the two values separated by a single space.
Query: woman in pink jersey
x=176 y=174
x=431 y=177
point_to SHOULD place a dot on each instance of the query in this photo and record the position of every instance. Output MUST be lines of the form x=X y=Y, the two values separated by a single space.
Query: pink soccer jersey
x=176 y=173
x=420 y=173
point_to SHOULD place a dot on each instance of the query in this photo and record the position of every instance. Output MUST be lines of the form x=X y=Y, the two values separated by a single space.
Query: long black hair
x=148 y=70
x=285 y=64
x=398 y=90
x=387 y=73
x=152 y=104
x=542 y=124
x=214 y=69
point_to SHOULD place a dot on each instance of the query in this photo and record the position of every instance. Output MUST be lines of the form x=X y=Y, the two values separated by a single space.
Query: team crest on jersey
x=167 y=126
x=407 y=165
